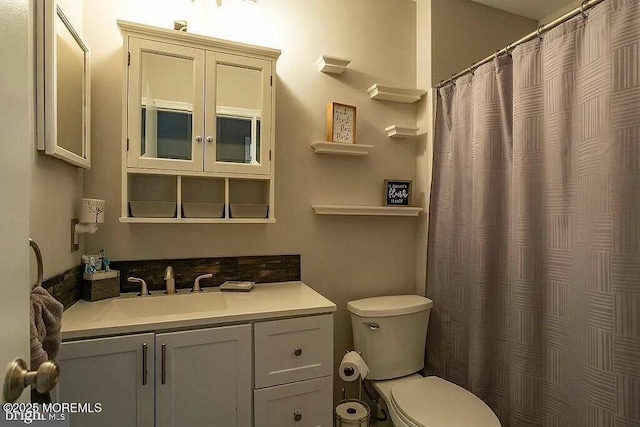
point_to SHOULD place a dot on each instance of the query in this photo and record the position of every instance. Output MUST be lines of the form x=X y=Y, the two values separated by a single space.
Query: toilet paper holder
x=349 y=371
x=357 y=412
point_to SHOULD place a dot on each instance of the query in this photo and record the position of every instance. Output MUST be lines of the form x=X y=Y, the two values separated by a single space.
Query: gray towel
x=46 y=320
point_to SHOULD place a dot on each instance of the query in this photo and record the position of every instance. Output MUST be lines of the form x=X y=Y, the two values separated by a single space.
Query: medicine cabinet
x=63 y=87
x=198 y=112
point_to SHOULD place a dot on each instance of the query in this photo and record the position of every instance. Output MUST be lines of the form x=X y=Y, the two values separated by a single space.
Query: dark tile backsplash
x=261 y=269
x=67 y=287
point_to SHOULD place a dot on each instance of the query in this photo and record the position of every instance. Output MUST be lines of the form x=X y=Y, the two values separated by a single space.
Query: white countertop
x=158 y=312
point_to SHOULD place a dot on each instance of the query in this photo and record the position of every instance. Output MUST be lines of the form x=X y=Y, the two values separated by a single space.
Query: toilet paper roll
x=352 y=367
x=352 y=411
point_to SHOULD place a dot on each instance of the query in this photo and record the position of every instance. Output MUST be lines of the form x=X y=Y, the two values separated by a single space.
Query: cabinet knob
x=209 y=139
x=297 y=351
x=297 y=416
x=198 y=139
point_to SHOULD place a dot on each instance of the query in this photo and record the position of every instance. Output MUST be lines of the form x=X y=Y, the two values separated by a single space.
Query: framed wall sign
x=341 y=123
x=397 y=193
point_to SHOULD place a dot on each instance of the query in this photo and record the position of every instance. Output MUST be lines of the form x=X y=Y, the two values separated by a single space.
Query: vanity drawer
x=306 y=403
x=293 y=350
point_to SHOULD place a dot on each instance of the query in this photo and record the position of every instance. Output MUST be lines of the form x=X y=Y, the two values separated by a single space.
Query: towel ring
x=36 y=249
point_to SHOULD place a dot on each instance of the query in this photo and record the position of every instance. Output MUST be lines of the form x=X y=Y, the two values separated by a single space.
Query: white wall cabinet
x=201 y=378
x=195 y=106
x=205 y=377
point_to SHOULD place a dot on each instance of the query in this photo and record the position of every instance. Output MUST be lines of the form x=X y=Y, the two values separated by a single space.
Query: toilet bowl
x=417 y=401
x=390 y=333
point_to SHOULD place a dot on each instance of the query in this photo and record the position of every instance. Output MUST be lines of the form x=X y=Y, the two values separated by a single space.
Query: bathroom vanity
x=262 y=358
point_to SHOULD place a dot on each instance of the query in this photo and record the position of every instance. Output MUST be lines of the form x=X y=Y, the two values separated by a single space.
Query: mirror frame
x=47 y=12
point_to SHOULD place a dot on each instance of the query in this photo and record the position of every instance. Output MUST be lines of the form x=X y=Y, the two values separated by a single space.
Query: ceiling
x=533 y=9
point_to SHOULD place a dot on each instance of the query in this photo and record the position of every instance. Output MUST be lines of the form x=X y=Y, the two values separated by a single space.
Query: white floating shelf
x=332 y=64
x=397 y=94
x=340 y=148
x=366 y=210
x=401 y=131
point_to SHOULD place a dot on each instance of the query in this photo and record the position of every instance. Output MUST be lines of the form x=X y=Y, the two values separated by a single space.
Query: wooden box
x=100 y=285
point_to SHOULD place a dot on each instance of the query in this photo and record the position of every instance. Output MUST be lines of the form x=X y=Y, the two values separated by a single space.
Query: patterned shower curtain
x=534 y=242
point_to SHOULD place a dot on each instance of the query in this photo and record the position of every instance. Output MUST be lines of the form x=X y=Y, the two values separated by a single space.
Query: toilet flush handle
x=372 y=326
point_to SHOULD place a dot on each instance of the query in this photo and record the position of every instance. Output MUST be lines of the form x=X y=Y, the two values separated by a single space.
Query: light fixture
x=91 y=214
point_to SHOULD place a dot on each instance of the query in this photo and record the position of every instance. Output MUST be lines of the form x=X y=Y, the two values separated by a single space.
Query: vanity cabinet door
x=111 y=372
x=203 y=377
x=165 y=111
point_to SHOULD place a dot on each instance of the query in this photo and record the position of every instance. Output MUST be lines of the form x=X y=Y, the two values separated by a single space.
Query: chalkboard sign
x=341 y=123
x=398 y=193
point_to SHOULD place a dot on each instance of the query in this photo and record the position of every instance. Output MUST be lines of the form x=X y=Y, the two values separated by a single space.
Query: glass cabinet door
x=166 y=106
x=238 y=111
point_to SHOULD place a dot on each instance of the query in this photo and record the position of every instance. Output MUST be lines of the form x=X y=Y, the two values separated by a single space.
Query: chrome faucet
x=170 y=281
x=144 y=291
x=196 y=284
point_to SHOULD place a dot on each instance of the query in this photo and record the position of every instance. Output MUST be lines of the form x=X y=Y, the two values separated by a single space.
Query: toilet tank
x=390 y=332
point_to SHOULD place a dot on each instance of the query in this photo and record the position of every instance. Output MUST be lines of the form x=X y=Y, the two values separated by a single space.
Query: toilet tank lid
x=389 y=305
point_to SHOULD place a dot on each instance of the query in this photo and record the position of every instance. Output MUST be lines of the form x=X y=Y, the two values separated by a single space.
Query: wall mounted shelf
x=395 y=131
x=396 y=94
x=321 y=147
x=367 y=210
x=332 y=64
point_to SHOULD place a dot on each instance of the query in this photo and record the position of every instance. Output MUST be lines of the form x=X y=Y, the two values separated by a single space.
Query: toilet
x=390 y=332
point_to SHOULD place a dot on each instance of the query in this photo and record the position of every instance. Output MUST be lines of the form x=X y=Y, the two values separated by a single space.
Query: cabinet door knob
x=209 y=139
x=297 y=351
x=297 y=416
x=198 y=138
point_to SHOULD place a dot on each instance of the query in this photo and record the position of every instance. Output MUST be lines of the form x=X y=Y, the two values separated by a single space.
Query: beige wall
x=560 y=12
x=424 y=140
x=55 y=192
x=342 y=258
x=464 y=32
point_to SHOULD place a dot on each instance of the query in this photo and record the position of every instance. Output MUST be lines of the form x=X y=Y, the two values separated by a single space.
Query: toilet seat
x=434 y=402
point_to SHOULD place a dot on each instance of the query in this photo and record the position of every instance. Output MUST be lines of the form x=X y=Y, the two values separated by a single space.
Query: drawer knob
x=297 y=416
x=297 y=351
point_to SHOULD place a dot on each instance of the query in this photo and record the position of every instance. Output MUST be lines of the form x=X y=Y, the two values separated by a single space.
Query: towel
x=46 y=321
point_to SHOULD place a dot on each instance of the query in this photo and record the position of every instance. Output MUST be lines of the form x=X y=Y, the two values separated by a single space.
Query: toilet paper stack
x=352 y=367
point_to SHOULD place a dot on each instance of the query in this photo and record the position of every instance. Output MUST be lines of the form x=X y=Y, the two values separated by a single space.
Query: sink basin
x=162 y=305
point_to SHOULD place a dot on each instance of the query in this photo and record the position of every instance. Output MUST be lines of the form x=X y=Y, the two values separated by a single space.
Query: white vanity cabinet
x=221 y=359
x=115 y=372
x=196 y=107
x=201 y=378
x=293 y=372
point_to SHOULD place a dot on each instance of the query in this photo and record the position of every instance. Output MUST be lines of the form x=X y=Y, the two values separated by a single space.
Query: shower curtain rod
x=586 y=5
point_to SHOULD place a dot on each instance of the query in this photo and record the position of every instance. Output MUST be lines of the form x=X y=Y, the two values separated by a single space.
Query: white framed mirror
x=63 y=87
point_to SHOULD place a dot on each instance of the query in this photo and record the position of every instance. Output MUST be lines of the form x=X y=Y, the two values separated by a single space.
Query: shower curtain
x=534 y=241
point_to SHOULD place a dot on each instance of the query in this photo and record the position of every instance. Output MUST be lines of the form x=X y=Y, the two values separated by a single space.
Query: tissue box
x=100 y=285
